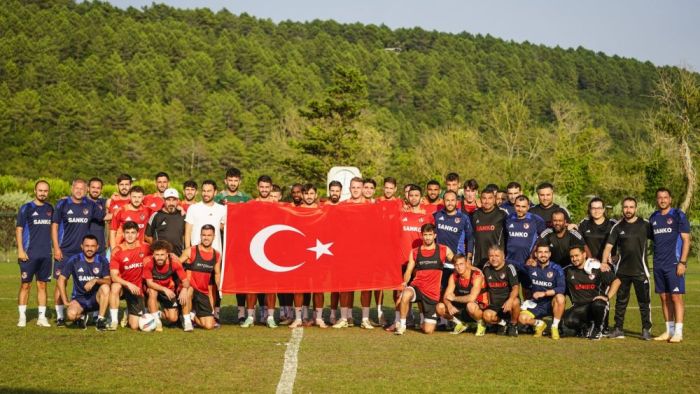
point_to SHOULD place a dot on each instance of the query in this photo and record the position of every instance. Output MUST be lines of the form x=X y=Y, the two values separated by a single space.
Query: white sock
x=456 y=321
x=343 y=313
x=114 y=314
x=22 y=311
x=42 y=312
x=186 y=317
x=297 y=314
x=555 y=323
x=365 y=313
x=402 y=322
x=502 y=322
x=670 y=327
x=679 y=329
x=251 y=313
x=319 y=313
x=379 y=312
x=270 y=313
x=59 y=311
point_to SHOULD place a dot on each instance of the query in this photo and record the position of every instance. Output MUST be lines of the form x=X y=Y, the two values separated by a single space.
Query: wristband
x=683 y=262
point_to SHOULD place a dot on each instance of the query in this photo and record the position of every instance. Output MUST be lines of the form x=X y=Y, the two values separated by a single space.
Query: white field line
x=289 y=371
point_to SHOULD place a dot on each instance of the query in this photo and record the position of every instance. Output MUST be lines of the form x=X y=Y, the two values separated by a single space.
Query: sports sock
x=100 y=317
x=379 y=312
x=42 y=311
x=251 y=314
x=59 y=311
x=679 y=329
x=456 y=321
x=270 y=313
x=114 y=314
x=186 y=317
x=397 y=317
x=305 y=312
x=402 y=322
x=22 y=310
x=555 y=323
x=502 y=322
x=319 y=313
x=365 y=313
x=297 y=314
x=670 y=327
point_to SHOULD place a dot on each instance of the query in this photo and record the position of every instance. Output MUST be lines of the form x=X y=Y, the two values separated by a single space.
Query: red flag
x=271 y=248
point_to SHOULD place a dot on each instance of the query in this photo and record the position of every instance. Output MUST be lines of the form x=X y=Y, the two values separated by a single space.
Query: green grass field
x=232 y=359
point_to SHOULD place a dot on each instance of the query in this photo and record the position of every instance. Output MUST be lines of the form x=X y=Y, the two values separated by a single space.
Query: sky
x=663 y=32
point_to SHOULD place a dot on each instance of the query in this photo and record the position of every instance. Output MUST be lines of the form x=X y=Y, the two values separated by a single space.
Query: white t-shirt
x=200 y=214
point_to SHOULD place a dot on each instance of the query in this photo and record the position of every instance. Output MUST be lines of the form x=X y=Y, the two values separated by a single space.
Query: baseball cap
x=171 y=193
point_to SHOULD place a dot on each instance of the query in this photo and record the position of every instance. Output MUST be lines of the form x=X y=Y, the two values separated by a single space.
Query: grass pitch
x=232 y=359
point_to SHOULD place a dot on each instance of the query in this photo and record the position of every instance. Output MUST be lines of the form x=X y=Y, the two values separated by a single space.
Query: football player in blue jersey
x=33 y=233
x=548 y=286
x=671 y=237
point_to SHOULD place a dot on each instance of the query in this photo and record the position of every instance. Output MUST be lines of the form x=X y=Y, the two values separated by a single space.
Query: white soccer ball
x=590 y=265
x=147 y=323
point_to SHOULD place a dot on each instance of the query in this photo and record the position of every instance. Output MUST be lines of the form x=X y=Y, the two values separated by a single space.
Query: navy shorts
x=666 y=280
x=35 y=266
x=541 y=309
x=88 y=302
x=58 y=265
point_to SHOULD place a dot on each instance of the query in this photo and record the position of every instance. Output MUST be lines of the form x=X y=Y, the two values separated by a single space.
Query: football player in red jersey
x=165 y=279
x=427 y=261
x=189 y=190
x=201 y=262
x=465 y=296
x=121 y=198
x=132 y=212
x=470 y=203
x=389 y=189
x=432 y=201
x=155 y=201
x=126 y=270
x=369 y=187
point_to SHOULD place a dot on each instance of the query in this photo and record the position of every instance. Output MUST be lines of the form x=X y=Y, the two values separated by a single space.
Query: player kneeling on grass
x=547 y=292
x=465 y=296
x=501 y=280
x=201 y=262
x=586 y=286
x=427 y=261
x=90 y=272
x=165 y=279
x=126 y=268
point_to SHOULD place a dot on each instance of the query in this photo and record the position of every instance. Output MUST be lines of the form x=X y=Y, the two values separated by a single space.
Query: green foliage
x=644 y=210
x=13 y=200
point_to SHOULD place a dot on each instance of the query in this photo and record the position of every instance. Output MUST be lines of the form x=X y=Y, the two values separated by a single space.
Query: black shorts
x=201 y=304
x=499 y=311
x=165 y=303
x=462 y=308
x=429 y=312
x=134 y=304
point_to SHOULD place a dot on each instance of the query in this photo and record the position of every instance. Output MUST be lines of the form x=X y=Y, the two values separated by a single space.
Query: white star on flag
x=320 y=249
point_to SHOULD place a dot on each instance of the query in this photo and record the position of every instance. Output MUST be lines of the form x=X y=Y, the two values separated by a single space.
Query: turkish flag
x=275 y=248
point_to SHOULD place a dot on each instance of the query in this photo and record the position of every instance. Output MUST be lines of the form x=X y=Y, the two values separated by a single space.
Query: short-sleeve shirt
x=631 y=241
x=129 y=262
x=667 y=230
x=239 y=197
x=595 y=235
x=153 y=202
x=411 y=222
x=173 y=265
x=169 y=227
x=139 y=216
x=489 y=230
x=74 y=222
x=499 y=283
x=200 y=214
x=82 y=272
x=35 y=221
x=546 y=213
x=560 y=246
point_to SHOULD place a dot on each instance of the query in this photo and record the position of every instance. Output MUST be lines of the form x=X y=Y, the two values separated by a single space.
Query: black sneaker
x=646 y=335
x=596 y=334
x=502 y=330
x=60 y=322
x=82 y=322
x=101 y=324
x=512 y=330
x=605 y=331
x=616 y=333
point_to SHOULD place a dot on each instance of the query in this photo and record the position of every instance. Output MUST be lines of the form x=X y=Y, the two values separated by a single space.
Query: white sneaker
x=663 y=337
x=271 y=322
x=249 y=321
x=342 y=323
x=400 y=329
x=187 y=326
x=321 y=324
x=43 y=322
x=676 y=338
x=112 y=326
x=22 y=321
x=366 y=325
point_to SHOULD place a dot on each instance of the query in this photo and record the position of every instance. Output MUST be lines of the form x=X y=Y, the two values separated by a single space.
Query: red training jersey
x=153 y=202
x=165 y=275
x=129 y=262
x=116 y=203
x=200 y=279
x=140 y=216
x=411 y=223
x=428 y=270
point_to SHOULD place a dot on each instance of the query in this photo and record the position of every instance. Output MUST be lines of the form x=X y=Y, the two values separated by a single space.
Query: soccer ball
x=590 y=265
x=147 y=323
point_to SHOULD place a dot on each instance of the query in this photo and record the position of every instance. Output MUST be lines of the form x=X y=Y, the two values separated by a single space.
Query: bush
x=11 y=201
x=644 y=210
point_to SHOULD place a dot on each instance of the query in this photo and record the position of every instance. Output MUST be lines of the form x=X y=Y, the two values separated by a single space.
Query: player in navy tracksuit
x=523 y=229
x=547 y=285
x=34 y=251
x=70 y=223
x=454 y=230
x=671 y=237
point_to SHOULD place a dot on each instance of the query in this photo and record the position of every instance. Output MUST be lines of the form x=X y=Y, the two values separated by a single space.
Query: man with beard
x=452 y=182
x=671 y=236
x=91 y=281
x=189 y=189
x=155 y=201
x=432 y=201
x=389 y=190
x=335 y=188
x=135 y=212
x=168 y=224
x=469 y=201
x=546 y=206
x=561 y=239
x=503 y=287
x=630 y=236
x=587 y=291
x=97 y=227
x=232 y=194
x=465 y=296
x=121 y=198
x=296 y=194
x=595 y=228
x=69 y=224
x=203 y=265
x=33 y=236
x=165 y=281
x=488 y=223
x=523 y=230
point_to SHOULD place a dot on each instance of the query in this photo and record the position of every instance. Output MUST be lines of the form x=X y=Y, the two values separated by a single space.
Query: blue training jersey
x=35 y=221
x=83 y=272
x=454 y=231
x=550 y=277
x=522 y=235
x=97 y=226
x=74 y=222
x=667 y=230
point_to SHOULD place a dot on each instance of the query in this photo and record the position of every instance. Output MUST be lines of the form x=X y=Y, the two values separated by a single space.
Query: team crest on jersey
x=526 y=226
x=142 y=216
x=141 y=255
x=85 y=211
x=503 y=276
x=669 y=221
x=49 y=213
x=95 y=270
x=420 y=220
x=591 y=276
x=550 y=274
x=24 y=275
x=457 y=220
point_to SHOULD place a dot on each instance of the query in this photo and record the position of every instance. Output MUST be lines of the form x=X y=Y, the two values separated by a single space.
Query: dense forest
x=90 y=89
